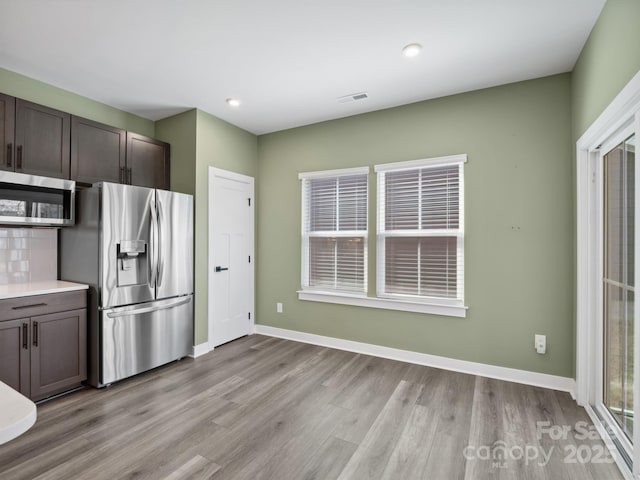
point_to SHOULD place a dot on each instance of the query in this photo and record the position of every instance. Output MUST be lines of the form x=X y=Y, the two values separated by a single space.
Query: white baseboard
x=563 y=384
x=199 y=350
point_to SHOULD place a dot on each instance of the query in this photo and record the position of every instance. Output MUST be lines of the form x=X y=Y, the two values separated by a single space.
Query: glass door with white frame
x=618 y=290
x=608 y=270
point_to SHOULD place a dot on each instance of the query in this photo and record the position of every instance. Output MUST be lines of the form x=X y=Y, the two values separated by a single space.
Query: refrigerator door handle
x=140 y=311
x=161 y=243
x=153 y=246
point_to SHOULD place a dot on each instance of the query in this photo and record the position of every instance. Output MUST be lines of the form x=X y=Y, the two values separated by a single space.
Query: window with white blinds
x=334 y=230
x=421 y=230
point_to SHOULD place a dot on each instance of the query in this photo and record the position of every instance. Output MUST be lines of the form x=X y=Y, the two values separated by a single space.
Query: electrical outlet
x=540 y=344
x=278 y=307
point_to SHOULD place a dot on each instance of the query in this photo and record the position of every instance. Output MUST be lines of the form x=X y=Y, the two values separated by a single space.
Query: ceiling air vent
x=353 y=97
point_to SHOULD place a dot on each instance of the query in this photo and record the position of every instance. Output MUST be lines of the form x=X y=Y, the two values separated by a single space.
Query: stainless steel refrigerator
x=134 y=247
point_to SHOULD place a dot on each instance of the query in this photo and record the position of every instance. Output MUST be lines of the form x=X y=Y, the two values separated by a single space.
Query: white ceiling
x=287 y=60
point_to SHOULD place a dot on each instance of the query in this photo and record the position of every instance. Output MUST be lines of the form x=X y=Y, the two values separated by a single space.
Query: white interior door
x=231 y=273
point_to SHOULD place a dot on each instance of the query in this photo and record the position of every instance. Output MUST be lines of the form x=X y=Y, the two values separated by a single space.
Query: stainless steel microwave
x=31 y=200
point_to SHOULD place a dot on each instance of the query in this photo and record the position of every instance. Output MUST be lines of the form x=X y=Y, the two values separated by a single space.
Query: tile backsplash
x=28 y=255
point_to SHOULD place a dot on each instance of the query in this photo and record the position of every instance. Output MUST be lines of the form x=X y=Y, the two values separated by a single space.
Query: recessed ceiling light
x=412 y=50
x=233 y=102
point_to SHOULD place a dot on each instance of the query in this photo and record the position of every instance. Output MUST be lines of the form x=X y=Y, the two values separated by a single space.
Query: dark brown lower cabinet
x=58 y=352
x=44 y=354
x=14 y=355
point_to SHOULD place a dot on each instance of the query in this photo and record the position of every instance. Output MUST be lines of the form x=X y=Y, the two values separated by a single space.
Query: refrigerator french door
x=147 y=244
x=142 y=314
x=140 y=337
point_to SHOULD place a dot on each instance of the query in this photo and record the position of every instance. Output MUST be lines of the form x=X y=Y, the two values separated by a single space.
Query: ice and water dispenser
x=132 y=262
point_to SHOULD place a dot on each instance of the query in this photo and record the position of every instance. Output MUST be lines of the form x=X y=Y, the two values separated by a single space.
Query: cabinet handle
x=9 y=154
x=122 y=175
x=19 y=159
x=35 y=334
x=33 y=305
x=25 y=336
x=129 y=176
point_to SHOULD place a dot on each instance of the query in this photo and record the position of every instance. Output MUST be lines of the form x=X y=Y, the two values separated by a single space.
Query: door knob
x=220 y=269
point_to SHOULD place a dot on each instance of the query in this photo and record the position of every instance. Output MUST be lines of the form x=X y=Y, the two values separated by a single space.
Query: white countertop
x=38 y=288
x=17 y=413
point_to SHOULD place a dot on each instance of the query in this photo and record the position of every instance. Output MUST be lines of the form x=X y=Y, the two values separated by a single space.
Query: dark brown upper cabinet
x=147 y=162
x=7 y=131
x=98 y=152
x=42 y=140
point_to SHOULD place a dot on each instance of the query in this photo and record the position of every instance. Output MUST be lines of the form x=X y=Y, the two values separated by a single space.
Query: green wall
x=221 y=145
x=180 y=132
x=199 y=141
x=32 y=90
x=519 y=241
x=609 y=59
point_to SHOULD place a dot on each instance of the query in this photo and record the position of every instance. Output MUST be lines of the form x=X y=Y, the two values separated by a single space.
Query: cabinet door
x=43 y=139
x=58 y=352
x=7 y=130
x=97 y=152
x=14 y=354
x=147 y=161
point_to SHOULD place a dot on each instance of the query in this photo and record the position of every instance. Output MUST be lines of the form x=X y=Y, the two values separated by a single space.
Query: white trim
x=421 y=163
x=338 y=234
x=614 y=117
x=620 y=463
x=543 y=380
x=636 y=315
x=585 y=273
x=334 y=173
x=199 y=350
x=612 y=427
x=384 y=303
x=596 y=286
x=618 y=137
x=238 y=177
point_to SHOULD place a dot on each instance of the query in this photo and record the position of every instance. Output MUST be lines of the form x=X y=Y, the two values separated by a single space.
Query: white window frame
x=458 y=160
x=617 y=120
x=343 y=172
x=445 y=307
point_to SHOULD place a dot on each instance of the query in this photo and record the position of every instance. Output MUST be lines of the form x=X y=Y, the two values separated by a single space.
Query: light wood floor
x=261 y=408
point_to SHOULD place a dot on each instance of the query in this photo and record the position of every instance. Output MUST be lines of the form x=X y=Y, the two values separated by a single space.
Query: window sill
x=384 y=303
